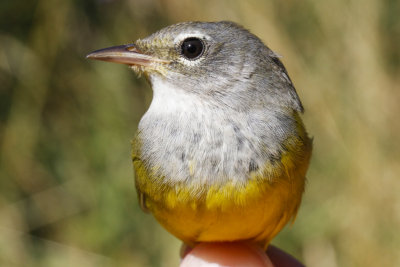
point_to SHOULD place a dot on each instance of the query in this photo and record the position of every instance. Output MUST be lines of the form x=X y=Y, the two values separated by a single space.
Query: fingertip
x=236 y=254
x=281 y=258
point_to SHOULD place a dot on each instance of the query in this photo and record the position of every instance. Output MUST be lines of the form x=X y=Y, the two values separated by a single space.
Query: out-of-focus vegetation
x=66 y=188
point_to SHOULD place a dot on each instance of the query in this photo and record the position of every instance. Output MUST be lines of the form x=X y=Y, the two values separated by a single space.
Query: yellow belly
x=229 y=213
x=256 y=210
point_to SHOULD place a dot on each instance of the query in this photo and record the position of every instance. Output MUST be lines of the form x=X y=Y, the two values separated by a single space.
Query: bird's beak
x=124 y=54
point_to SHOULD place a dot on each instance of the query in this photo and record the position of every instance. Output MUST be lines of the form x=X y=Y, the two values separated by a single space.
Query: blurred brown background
x=66 y=188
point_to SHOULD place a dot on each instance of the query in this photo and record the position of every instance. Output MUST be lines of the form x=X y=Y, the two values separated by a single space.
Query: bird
x=221 y=154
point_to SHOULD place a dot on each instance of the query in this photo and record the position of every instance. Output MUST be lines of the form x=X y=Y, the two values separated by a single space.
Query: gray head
x=221 y=62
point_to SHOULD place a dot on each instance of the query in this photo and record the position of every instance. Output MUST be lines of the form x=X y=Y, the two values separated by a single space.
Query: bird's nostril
x=132 y=48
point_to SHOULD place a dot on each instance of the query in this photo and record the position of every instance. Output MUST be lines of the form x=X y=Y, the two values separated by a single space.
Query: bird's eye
x=192 y=48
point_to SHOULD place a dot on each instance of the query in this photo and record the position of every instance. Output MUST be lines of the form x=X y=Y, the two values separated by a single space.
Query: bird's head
x=221 y=60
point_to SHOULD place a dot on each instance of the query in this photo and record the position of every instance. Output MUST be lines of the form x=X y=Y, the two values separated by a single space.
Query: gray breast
x=199 y=144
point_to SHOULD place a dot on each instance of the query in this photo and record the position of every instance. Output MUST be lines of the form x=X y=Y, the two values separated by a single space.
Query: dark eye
x=192 y=48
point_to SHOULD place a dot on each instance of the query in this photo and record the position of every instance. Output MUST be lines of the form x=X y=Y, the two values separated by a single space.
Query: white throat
x=169 y=99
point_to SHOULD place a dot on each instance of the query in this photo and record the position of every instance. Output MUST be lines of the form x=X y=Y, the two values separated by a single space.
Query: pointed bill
x=124 y=54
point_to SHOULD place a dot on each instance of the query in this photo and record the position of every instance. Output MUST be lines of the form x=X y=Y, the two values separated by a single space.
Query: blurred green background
x=67 y=195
